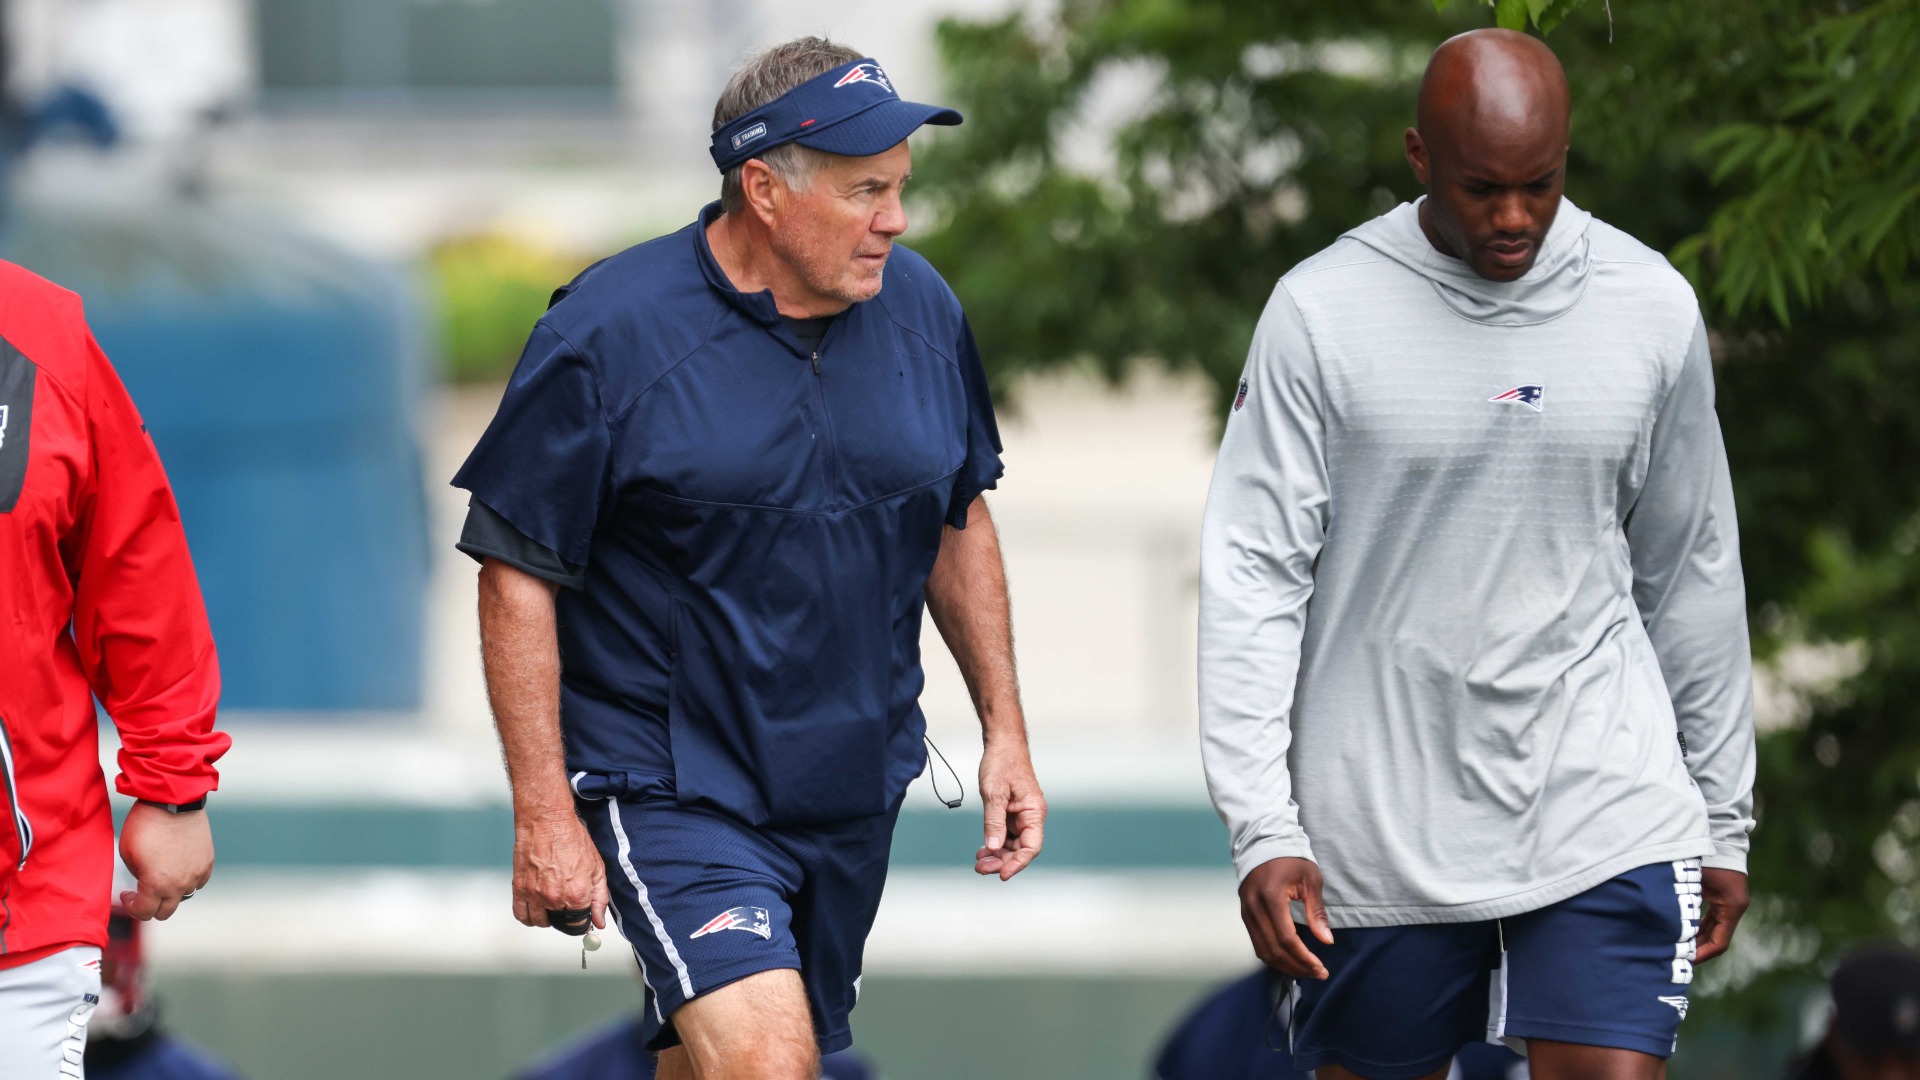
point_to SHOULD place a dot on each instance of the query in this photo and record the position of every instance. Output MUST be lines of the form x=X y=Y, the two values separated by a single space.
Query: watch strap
x=179 y=808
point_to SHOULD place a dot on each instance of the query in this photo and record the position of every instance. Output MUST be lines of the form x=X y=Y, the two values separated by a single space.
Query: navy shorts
x=707 y=900
x=1609 y=967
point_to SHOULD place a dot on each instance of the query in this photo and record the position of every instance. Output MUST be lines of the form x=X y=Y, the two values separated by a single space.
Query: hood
x=1545 y=292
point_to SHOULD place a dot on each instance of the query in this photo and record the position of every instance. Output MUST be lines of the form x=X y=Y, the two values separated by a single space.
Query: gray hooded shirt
x=1472 y=629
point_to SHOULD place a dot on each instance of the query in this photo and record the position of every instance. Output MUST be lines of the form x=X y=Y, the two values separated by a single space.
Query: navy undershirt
x=809 y=331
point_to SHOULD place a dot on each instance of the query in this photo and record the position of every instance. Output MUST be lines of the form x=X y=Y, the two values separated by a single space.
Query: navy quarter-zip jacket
x=757 y=520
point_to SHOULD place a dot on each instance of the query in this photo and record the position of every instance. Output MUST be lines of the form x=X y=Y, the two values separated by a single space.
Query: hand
x=1016 y=812
x=556 y=866
x=1724 y=893
x=170 y=855
x=1266 y=906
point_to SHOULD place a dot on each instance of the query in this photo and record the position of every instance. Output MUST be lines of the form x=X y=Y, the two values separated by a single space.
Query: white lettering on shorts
x=1686 y=891
x=73 y=1051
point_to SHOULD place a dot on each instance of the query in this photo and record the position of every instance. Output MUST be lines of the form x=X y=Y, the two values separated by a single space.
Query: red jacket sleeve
x=138 y=618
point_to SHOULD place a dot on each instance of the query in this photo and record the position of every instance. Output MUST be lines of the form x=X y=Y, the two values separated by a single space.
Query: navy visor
x=852 y=111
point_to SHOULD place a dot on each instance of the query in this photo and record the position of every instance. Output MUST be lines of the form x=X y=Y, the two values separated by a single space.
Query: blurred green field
x=471 y=1027
x=476 y=1027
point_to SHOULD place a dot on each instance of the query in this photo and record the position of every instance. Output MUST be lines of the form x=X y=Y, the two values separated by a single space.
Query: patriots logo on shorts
x=1523 y=395
x=1679 y=1003
x=865 y=73
x=753 y=920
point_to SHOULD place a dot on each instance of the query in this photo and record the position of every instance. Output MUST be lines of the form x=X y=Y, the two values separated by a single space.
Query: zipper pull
x=816 y=361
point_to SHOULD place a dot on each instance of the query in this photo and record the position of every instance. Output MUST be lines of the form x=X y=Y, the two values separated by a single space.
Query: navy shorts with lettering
x=1609 y=967
x=706 y=900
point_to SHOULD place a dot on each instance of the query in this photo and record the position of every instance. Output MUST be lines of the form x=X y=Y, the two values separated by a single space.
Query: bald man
x=1475 y=688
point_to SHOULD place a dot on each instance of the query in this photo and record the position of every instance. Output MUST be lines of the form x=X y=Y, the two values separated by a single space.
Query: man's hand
x=556 y=866
x=1266 y=906
x=1724 y=893
x=170 y=855
x=1016 y=812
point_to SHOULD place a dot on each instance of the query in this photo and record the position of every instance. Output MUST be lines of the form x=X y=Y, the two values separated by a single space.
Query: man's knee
x=762 y=1056
x=759 y=1028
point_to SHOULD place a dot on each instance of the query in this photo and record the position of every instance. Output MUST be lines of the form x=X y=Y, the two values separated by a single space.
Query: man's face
x=837 y=234
x=1492 y=192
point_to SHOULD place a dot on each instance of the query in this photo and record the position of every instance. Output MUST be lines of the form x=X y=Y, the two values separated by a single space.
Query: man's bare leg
x=1571 y=1061
x=1335 y=1072
x=674 y=1065
x=759 y=1028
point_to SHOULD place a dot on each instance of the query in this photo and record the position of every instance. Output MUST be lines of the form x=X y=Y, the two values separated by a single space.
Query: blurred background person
x=1240 y=1032
x=1874 y=1030
x=125 y=1040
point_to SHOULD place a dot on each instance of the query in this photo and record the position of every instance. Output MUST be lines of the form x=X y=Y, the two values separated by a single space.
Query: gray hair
x=764 y=77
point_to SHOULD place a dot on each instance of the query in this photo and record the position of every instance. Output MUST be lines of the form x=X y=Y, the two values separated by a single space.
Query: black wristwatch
x=179 y=807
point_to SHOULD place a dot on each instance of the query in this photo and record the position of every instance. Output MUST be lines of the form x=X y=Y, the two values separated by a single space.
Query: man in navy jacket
x=733 y=466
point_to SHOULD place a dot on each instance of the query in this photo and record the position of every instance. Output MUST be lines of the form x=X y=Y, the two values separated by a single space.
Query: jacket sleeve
x=138 y=619
x=1686 y=569
x=982 y=468
x=544 y=462
x=1266 y=518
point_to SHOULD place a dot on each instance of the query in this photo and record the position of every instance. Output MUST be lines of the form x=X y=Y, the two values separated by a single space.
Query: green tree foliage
x=1830 y=177
x=487 y=290
x=1543 y=15
x=1134 y=175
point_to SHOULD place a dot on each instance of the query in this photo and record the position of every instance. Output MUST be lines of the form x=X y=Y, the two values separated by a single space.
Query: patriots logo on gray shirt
x=1529 y=396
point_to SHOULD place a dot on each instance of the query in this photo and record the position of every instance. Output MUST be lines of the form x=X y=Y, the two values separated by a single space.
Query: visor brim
x=878 y=129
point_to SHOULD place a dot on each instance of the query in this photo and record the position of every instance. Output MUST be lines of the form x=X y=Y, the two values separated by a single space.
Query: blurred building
x=391 y=123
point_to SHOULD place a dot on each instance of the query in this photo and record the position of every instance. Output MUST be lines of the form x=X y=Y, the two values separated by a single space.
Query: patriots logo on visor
x=753 y=920
x=865 y=73
x=1523 y=395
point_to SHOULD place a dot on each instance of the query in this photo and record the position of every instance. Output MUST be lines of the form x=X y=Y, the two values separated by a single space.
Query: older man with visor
x=733 y=466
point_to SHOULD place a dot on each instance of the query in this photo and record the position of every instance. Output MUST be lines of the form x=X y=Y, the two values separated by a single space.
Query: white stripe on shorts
x=1497 y=993
x=621 y=925
x=659 y=928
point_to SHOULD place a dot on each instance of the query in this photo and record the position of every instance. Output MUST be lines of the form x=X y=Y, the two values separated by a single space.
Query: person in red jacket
x=97 y=599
